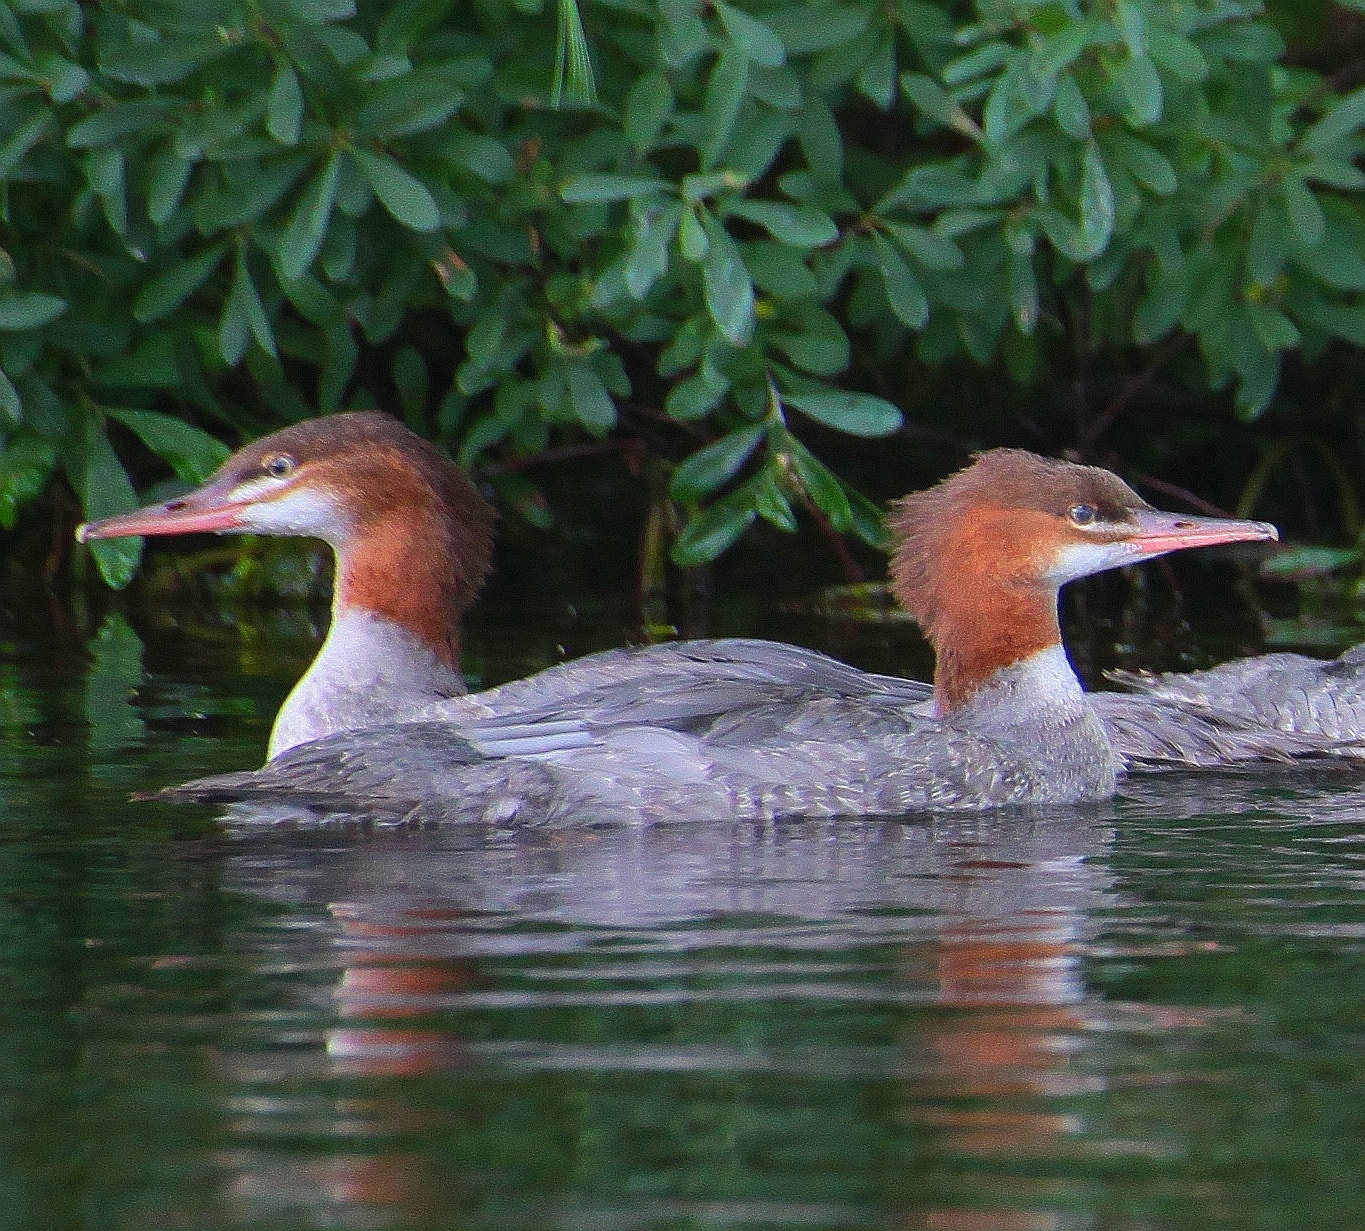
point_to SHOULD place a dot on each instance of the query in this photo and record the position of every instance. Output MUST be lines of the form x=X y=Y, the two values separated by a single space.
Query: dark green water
x=1146 y=1015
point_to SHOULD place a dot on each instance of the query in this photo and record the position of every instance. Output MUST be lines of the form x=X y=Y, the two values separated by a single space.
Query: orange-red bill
x=1159 y=532
x=206 y=510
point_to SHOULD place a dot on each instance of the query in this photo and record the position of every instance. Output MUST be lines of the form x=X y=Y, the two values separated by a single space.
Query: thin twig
x=853 y=573
x=1181 y=493
x=562 y=454
x=1120 y=402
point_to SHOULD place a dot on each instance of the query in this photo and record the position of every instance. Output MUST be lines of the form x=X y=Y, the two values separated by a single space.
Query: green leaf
x=821 y=345
x=1140 y=84
x=170 y=173
x=1305 y=214
x=574 y=81
x=648 y=106
x=904 y=291
x=821 y=485
x=858 y=414
x=104 y=489
x=877 y=78
x=141 y=116
x=1342 y=121
x=1160 y=309
x=26 y=466
x=65 y=80
x=592 y=404
x=402 y=193
x=804 y=30
x=932 y=99
x=802 y=226
x=714 y=465
x=929 y=248
x=1336 y=172
x=1302 y=563
x=319 y=12
x=11 y=405
x=1176 y=54
x=725 y=91
x=21 y=310
x=1267 y=248
x=22 y=139
x=713 y=530
x=1097 y=203
x=1338 y=261
x=697 y=396
x=780 y=270
x=1064 y=47
x=985 y=59
x=756 y=40
x=284 y=106
x=649 y=254
x=1070 y=109
x=192 y=453
x=702 y=186
x=247 y=314
x=771 y=503
x=692 y=239
x=1144 y=162
x=726 y=285
x=159 y=62
x=1275 y=330
x=232 y=333
x=308 y=227
x=169 y=290
x=596 y=188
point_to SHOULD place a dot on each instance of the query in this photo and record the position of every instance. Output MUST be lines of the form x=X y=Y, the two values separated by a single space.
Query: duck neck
x=413 y=577
x=369 y=670
x=393 y=646
x=1006 y=677
x=978 y=631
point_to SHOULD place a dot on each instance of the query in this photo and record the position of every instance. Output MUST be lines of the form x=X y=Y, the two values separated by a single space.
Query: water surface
x=1148 y=1014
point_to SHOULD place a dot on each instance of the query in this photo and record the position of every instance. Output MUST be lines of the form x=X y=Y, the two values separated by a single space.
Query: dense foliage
x=238 y=214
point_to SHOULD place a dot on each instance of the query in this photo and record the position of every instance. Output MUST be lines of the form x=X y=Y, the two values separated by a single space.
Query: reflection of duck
x=721 y=729
x=689 y=977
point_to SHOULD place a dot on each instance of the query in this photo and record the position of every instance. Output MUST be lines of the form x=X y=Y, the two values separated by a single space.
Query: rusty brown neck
x=974 y=584
x=418 y=565
x=974 y=640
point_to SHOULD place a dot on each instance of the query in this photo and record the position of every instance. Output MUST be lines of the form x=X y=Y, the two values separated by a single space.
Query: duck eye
x=1082 y=514
x=279 y=465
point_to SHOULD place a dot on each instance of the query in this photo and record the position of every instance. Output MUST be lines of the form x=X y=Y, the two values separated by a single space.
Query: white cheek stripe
x=295 y=511
x=1081 y=559
x=258 y=488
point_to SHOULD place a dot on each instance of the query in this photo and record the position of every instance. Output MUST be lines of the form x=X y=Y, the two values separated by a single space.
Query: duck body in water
x=721 y=728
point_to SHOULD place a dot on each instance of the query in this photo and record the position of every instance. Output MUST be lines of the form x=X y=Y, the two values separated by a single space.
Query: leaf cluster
x=220 y=215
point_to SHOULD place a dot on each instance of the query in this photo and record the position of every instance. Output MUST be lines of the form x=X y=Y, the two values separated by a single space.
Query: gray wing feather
x=1287 y=702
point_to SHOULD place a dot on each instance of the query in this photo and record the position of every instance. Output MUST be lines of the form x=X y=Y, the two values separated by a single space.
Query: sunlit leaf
x=192 y=453
x=104 y=489
x=28 y=309
x=284 y=106
x=308 y=227
x=714 y=465
x=402 y=193
x=726 y=285
x=859 y=414
x=714 y=529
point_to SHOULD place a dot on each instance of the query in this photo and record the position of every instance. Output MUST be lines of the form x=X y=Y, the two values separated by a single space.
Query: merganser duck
x=722 y=728
x=412 y=537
